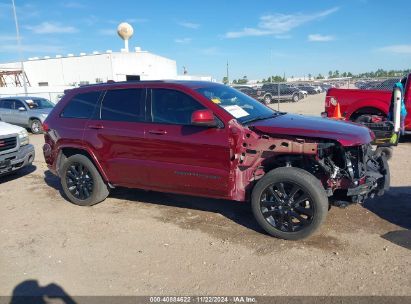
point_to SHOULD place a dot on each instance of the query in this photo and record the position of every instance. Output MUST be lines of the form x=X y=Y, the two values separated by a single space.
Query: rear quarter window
x=81 y=105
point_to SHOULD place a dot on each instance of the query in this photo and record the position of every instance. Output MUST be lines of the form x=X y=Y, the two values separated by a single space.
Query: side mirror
x=21 y=109
x=203 y=118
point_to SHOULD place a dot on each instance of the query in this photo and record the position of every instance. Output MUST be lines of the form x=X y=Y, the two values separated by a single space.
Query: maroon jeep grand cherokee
x=207 y=139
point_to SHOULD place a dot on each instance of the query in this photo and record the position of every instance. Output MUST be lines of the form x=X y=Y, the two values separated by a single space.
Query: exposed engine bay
x=349 y=174
x=353 y=173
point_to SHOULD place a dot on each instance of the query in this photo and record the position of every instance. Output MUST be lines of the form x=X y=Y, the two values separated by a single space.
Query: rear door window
x=124 y=105
x=7 y=104
x=81 y=106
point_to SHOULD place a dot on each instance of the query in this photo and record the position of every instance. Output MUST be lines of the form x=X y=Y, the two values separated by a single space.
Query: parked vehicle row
x=282 y=92
x=27 y=112
x=208 y=139
x=385 y=85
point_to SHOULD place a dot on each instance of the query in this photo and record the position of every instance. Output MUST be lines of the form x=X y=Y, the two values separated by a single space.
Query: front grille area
x=7 y=143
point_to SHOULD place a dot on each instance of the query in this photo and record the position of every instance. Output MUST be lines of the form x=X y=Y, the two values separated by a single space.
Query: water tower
x=125 y=31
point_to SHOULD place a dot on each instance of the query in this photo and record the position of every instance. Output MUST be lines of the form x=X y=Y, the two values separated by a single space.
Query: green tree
x=225 y=80
x=336 y=74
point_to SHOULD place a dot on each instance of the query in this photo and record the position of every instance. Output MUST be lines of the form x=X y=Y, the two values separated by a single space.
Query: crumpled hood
x=346 y=133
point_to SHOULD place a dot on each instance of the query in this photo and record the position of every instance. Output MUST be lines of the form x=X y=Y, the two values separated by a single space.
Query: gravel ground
x=147 y=243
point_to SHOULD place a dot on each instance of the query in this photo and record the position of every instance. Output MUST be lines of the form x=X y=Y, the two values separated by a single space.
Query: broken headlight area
x=352 y=174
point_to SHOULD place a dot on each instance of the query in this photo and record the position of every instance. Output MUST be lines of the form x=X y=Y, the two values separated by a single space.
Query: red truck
x=358 y=105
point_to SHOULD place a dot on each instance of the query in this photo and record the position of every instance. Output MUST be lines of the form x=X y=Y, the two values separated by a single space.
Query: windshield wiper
x=261 y=117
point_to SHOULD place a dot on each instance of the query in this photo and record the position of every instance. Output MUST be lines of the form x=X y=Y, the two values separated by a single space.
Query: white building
x=84 y=68
x=49 y=77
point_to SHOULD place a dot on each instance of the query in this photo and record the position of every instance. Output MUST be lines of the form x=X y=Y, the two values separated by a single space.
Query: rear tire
x=289 y=203
x=81 y=181
x=267 y=99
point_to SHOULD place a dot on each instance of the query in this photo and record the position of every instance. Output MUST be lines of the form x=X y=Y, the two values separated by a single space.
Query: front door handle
x=96 y=127
x=158 y=132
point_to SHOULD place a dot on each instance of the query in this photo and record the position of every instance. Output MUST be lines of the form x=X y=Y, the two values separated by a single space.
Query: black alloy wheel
x=82 y=183
x=287 y=207
x=79 y=181
x=289 y=203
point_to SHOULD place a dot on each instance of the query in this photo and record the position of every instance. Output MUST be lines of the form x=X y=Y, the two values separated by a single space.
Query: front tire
x=386 y=151
x=81 y=181
x=296 y=98
x=289 y=203
x=267 y=99
x=36 y=126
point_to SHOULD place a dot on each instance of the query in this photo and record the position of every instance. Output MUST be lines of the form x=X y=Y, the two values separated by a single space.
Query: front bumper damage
x=356 y=173
x=376 y=182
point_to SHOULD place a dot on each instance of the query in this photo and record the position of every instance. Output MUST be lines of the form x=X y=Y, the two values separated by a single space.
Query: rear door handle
x=96 y=127
x=158 y=132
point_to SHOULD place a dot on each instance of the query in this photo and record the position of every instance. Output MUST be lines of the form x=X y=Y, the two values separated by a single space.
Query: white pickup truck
x=15 y=150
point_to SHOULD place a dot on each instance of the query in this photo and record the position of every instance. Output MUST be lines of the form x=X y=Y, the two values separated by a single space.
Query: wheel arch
x=367 y=110
x=362 y=106
x=31 y=118
x=67 y=151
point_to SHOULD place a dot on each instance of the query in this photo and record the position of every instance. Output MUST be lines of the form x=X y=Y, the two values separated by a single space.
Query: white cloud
x=73 y=4
x=136 y=20
x=129 y=20
x=320 y=38
x=190 y=25
x=182 y=40
x=108 y=32
x=210 y=51
x=91 y=20
x=8 y=38
x=277 y=24
x=32 y=48
x=52 y=28
x=397 y=49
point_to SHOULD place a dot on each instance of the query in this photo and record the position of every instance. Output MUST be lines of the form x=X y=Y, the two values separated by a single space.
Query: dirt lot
x=145 y=243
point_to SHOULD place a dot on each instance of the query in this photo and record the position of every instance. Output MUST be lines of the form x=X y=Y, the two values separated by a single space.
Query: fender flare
x=377 y=104
x=92 y=155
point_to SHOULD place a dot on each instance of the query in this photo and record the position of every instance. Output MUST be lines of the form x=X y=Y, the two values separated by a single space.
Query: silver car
x=27 y=112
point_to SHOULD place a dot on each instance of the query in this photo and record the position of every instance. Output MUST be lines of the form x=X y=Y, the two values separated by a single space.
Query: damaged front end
x=349 y=173
x=352 y=174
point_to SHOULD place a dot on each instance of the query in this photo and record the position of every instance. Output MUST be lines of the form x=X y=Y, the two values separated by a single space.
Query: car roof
x=22 y=98
x=125 y=84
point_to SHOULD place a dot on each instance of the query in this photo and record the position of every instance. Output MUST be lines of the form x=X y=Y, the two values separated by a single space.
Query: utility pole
x=228 y=80
x=19 y=47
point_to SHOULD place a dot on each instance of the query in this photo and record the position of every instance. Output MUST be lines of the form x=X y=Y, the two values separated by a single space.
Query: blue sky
x=258 y=38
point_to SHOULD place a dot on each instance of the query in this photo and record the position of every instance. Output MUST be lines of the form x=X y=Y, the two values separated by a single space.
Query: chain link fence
x=381 y=84
x=281 y=92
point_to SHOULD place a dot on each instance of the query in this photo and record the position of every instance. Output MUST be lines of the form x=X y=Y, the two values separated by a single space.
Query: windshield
x=241 y=106
x=39 y=103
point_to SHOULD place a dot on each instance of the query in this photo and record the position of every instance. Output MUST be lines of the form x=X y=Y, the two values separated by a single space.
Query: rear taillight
x=333 y=101
x=45 y=127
